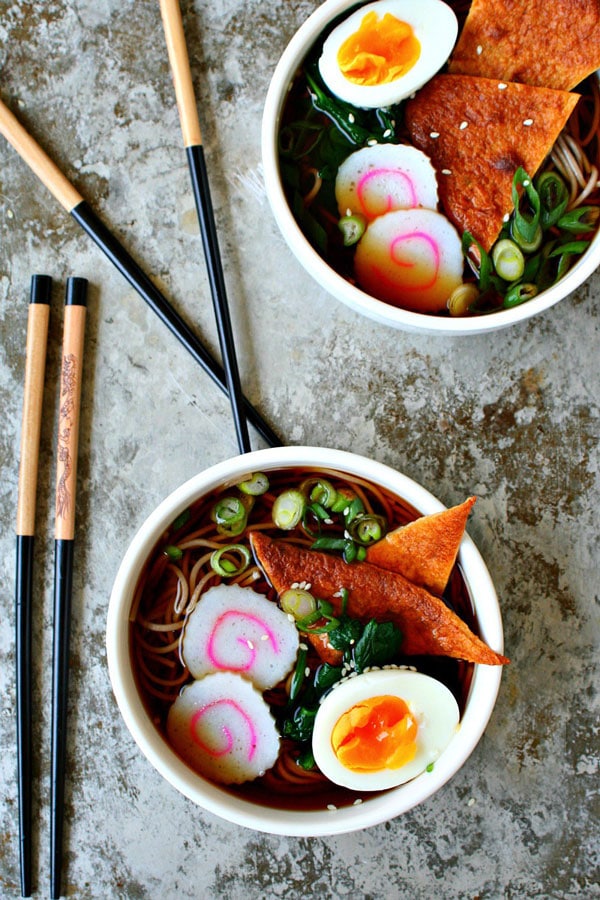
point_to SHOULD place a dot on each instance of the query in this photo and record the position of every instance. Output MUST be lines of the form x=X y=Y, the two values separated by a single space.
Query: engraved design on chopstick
x=65 y=425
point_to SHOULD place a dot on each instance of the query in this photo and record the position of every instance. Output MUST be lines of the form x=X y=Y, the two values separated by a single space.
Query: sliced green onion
x=319 y=490
x=461 y=299
x=366 y=529
x=526 y=246
x=570 y=247
x=255 y=485
x=174 y=553
x=361 y=553
x=526 y=221
x=329 y=543
x=350 y=552
x=224 y=566
x=518 y=294
x=508 y=260
x=288 y=509
x=579 y=220
x=181 y=519
x=352 y=227
x=298 y=603
x=342 y=501
x=554 y=197
x=478 y=259
x=299 y=674
x=354 y=508
x=230 y=515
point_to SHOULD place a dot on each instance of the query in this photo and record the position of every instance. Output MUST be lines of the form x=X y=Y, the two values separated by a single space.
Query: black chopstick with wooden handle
x=35 y=364
x=192 y=140
x=68 y=196
x=64 y=547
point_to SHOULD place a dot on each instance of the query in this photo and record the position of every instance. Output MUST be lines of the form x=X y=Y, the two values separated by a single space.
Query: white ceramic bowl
x=479 y=705
x=330 y=280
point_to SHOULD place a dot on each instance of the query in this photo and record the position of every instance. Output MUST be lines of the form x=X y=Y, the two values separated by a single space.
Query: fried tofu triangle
x=428 y=627
x=477 y=132
x=424 y=551
x=551 y=45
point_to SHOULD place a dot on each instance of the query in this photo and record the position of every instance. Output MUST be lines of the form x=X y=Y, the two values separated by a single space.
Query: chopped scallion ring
x=352 y=228
x=508 y=260
x=174 y=553
x=366 y=529
x=255 y=484
x=230 y=515
x=222 y=564
x=298 y=602
x=288 y=509
x=518 y=294
x=320 y=491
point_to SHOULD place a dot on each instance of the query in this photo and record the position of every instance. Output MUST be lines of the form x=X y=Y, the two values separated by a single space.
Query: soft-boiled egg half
x=385 y=51
x=382 y=728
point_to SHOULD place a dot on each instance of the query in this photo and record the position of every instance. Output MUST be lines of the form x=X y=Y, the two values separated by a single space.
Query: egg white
x=429 y=701
x=435 y=26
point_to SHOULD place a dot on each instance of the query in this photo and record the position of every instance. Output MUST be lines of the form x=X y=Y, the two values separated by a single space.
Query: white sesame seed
x=463 y=125
x=264 y=637
x=303 y=646
x=527 y=121
x=357 y=802
x=526 y=182
x=250 y=645
x=10 y=214
x=307 y=585
x=479 y=50
x=371 y=142
x=295 y=586
x=446 y=172
x=502 y=86
x=351 y=118
x=331 y=806
x=388 y=132
x=506 y=217
x=307 y=671
x=290 y=617
x=434 y=134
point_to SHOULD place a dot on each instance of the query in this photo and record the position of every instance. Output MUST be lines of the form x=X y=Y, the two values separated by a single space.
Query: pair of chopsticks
x=66 y=475
x=72 y=201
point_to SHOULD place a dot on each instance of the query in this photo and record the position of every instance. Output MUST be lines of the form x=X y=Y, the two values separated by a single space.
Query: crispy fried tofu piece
x=428 y=626
x=554 y=45
x=477 y=132
x=424 y=551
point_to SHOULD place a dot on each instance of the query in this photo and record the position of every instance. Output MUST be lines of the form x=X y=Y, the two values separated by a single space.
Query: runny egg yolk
x=377 y=733
x=381 y=51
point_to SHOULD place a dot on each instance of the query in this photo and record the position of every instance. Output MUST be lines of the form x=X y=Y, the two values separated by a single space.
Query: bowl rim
x=482 y=694
x=334 y=283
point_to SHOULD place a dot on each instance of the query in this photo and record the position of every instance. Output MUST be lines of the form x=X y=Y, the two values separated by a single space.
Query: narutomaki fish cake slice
x=477 y=133
x=554 y=45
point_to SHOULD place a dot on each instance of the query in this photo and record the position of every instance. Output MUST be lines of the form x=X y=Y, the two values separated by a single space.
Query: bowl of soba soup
x=303 y=641
x=432 y=174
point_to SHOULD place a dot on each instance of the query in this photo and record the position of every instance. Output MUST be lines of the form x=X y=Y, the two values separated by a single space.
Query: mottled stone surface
x=512 y=417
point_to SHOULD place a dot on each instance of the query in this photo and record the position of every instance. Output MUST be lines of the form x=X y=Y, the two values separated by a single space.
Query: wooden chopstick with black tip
x=35 y=365
x=64 y=545
x=192 y=140
x=72 y=201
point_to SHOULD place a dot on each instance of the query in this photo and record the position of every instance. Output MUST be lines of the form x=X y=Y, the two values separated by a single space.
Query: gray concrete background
x=512 y=417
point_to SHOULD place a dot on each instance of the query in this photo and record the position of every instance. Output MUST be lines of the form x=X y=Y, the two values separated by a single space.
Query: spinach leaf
x=378 y=645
